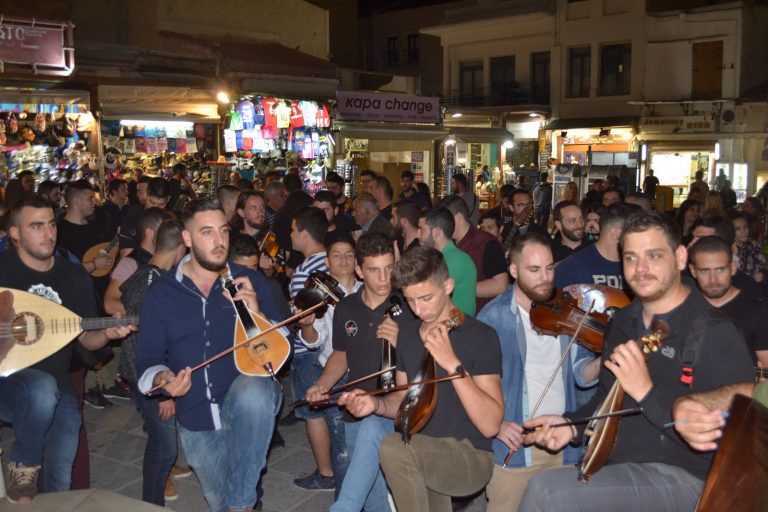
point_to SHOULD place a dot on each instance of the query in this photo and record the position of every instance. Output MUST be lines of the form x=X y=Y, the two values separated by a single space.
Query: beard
x=208 y=264
x=649 y=296
x=715 y=292
x=574 y=236
x=538 y=293
x=258 y=226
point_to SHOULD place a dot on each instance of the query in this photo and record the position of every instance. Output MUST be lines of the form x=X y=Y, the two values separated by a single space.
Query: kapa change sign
x=398 y=108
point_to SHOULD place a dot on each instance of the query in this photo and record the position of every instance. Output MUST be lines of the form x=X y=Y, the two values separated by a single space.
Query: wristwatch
x=460 y=370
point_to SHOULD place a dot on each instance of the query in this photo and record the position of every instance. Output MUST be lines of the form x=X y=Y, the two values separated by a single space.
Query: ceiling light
x=222 y=97
x=457 y=114
x=533 y=114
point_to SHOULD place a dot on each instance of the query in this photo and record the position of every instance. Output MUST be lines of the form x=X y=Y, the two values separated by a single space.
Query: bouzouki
x=109 y=249
x=601 y=434
x=33 y=328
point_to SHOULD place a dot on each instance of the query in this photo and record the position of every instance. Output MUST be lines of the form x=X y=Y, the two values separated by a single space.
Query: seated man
x=451 y=455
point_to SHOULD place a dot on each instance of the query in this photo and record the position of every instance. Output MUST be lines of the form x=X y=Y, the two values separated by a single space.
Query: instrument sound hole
x=258 y=349
x=27 y=328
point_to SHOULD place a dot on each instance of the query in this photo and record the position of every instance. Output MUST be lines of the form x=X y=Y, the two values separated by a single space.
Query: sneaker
x=316 y=482
x=119 y=390
x=170 y=493
x=180 y=471
x=96 y=399
x=22 y=488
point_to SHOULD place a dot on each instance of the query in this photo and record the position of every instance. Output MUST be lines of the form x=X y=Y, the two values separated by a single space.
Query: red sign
x=43 y=46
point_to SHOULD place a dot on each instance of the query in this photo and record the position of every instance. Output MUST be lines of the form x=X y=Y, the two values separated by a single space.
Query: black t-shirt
x=78 y=238
x=129 y=228
x=66 y=284
x=477 y=347
x=354 y=332
x=386 y=212
x=750 y=316
x=494 y=262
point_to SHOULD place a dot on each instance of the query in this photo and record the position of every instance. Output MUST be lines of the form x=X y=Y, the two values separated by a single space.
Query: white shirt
x=541 y=356
x=324 y=328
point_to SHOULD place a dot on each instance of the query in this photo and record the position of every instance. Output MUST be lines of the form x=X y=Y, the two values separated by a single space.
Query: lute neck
x=92 y=324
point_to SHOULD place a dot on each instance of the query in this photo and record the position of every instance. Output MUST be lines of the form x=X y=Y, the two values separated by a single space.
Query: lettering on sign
x=355 y=106
x=40 y=47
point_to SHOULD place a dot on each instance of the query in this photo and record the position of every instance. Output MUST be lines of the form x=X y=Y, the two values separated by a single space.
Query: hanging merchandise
x=271 y=133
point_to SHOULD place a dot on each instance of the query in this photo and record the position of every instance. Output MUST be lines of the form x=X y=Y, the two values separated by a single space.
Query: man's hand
x=387 y=330
x=245 y=293
x=101 y=262
x=697 y=424
x=118 y=333
x=175 y=385
x=166 y=409
x=358 y=403
x=551 y=438
x=438 y=344
x=511 y=434
x=267 y=264
x=316 y=393
x=627 y=362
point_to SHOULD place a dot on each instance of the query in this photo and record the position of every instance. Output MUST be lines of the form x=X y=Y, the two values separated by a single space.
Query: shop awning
x=592 y=122
x=391 y=131
x=482 y=135
x=151 y=103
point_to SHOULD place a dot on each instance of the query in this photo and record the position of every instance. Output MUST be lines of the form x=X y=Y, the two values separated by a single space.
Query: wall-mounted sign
x=398 y=108
x=701 y=123
x=36 y=47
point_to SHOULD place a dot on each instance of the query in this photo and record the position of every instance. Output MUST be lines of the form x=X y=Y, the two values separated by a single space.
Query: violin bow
x=623 y=412
x=554 y=373
x=401 y=387
x=243 y=343
x=337 y=389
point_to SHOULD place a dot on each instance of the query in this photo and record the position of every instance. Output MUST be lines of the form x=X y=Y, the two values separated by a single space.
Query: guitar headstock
x=225 y=275
x=456 y=319
x=396 y=309
x=652 y=342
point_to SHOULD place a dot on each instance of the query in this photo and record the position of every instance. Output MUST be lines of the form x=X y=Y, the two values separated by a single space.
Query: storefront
x=388 y=134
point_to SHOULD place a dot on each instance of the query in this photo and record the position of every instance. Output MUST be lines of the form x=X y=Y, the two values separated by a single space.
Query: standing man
x=405 y=224
x=485 y=251
x=187 y=316
x=367 y=177
x=542 y=199
x=528 y=360
x=335 y=184
x=569 y=221
x=598 y=263
x=295 y=200
x=728 y=196
x=435 y=230
x=408 y=191
x=451 y=455
x=381 y=189
x=227 y=196
x=698 y=186
x=251 y=218
x=649 y=185
x=157 y=194
x=523 y=218
x=180 y=184
x=650 y=466
x=461 y=188
x=275 y=196
x=114 y=207
x=365 y=210
x=40 y=401
x=358 y=334
x=712 y=266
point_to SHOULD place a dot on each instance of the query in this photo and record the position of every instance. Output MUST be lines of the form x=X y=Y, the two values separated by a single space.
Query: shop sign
x=44 y=47
x=398 y=108
x=677 y=124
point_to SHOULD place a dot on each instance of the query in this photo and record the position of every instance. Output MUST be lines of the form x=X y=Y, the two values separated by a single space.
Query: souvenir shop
x=47 y=132
x=262 y=134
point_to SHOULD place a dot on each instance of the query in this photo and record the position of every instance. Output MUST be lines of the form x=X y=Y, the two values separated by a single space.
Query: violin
x=564 y=311
x=420 y=401
x=601 y=433
x=269 y=247
x=317 y=289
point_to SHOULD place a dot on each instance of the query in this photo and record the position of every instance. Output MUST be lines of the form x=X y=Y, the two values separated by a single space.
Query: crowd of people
x=446 y=290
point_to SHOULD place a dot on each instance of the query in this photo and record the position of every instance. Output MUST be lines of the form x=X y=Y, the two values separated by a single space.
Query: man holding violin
x=649 y=467
x=451 y=454
x=528 y=360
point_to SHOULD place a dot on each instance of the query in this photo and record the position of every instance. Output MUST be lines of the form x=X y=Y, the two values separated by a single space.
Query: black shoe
x=316 y=482
x=117 y=391
x=96 y=399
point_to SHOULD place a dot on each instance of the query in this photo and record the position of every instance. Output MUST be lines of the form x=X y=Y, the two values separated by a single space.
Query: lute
x=109 y=249
x=33 y=328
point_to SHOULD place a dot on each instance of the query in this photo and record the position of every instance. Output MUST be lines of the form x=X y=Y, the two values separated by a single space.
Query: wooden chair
x=738 y=478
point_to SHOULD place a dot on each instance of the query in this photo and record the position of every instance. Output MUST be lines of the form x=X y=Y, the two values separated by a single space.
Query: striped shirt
x=314 y=262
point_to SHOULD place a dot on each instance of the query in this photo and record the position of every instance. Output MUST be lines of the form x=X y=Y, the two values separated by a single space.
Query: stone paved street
x=117 y=443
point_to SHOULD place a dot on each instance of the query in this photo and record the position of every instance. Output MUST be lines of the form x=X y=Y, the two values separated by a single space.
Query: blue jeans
x=46 y=425
x=161 y=450
x=229 y=461
x=628 y=487
x=364 y=484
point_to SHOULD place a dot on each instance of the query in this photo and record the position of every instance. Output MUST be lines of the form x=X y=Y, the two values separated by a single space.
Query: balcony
x=512 y=95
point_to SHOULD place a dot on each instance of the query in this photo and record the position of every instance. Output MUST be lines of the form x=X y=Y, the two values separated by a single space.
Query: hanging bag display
x=13 y=124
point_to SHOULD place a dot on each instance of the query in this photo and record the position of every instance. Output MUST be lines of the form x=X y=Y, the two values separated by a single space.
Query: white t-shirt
x=541 y=357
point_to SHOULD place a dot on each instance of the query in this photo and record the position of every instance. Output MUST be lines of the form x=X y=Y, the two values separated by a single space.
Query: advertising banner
x=398 y=108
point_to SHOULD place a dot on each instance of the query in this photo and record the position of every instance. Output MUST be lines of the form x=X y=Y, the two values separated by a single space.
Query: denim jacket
x=502 y=314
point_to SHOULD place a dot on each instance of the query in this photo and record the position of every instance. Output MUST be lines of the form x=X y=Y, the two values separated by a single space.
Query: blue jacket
x=502 y=314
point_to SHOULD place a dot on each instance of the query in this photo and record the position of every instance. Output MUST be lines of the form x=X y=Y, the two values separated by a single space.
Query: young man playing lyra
x=451 y=455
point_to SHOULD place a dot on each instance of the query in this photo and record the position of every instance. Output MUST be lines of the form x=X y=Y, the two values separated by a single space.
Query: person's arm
x=335 y=368
x=698 y=417
x=94 y=340
x=496 y=285
x=112 y=302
